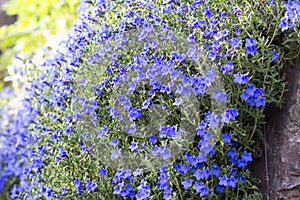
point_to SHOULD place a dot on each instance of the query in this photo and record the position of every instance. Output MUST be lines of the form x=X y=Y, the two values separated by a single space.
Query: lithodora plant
x=152 y=100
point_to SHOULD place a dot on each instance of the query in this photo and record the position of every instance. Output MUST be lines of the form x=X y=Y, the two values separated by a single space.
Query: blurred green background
x=37 y=21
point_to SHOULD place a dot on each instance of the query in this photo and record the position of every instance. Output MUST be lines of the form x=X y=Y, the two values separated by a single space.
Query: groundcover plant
x=150 y=100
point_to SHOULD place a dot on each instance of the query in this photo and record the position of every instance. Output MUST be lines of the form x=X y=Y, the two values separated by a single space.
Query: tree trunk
x=4 y=18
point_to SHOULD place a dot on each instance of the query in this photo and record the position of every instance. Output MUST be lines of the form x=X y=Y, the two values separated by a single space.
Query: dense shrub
x=151 y=99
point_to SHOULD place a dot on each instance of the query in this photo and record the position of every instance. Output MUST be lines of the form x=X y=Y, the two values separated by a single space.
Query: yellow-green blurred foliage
x=36 y=21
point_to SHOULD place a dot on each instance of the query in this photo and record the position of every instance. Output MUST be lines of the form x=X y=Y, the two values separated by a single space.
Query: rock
x=283 y=138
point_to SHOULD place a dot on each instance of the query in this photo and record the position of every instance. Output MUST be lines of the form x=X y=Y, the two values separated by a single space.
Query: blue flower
x=178 y=102
x=122 y=174
x=225 y=34
x=163 y=178
x=241 y=78
x=241 y=178
x=247 y=156
x=124 y=189
x=78 y=185
x=157 y=20
x=220 y=96
x=109 y=70
x=208 y=12
x=228 y=182
x=206 y=146
x=138 y=172
x=198 y=2
x=134 y=146
x=233 y=171
x=229 y=114
x=284 y=25
x=232 y=181
x=90 y=186
x=69 y=130
x=227 y=137
x=218 y=37
x=187 y=183
x=43 y=189
x=49 y=192
x=235 y=42
x=212 y=119
x=193 y=52
x=62 y=152
x=223 y=180
x=232 y=153
x=183 y=168
x=275 y=55
x=183 y=90
x=201 y=188
x=162 y=151
x=167 y=193
x=114 y=142
x=214 y=22
x=237 y=30
x=212 y=54
x=118 y=188
x=260 y=101
x=169 y=131
x=143 y=190
x=134 y=113
x=250 y=46
x=37 y=163
x=241 y=163
x=202 y=174
x=202 y=23
x=229 y=52
x=194 y=23
x=152 y=139
x=253 y=96
x=113 y=112
x=102 y=131
x=191 y=38
x=102 y=171
x=257 y=92
x=41 y=149
x=209 y=76
x=201 y=128
x=215 y=170
x=227 y=67
x=237 y=10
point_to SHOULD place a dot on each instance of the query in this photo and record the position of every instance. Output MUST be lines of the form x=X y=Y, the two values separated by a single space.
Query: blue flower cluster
x=253 y=96
x=291 y=17
x=123 y=188
x=97 y=91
